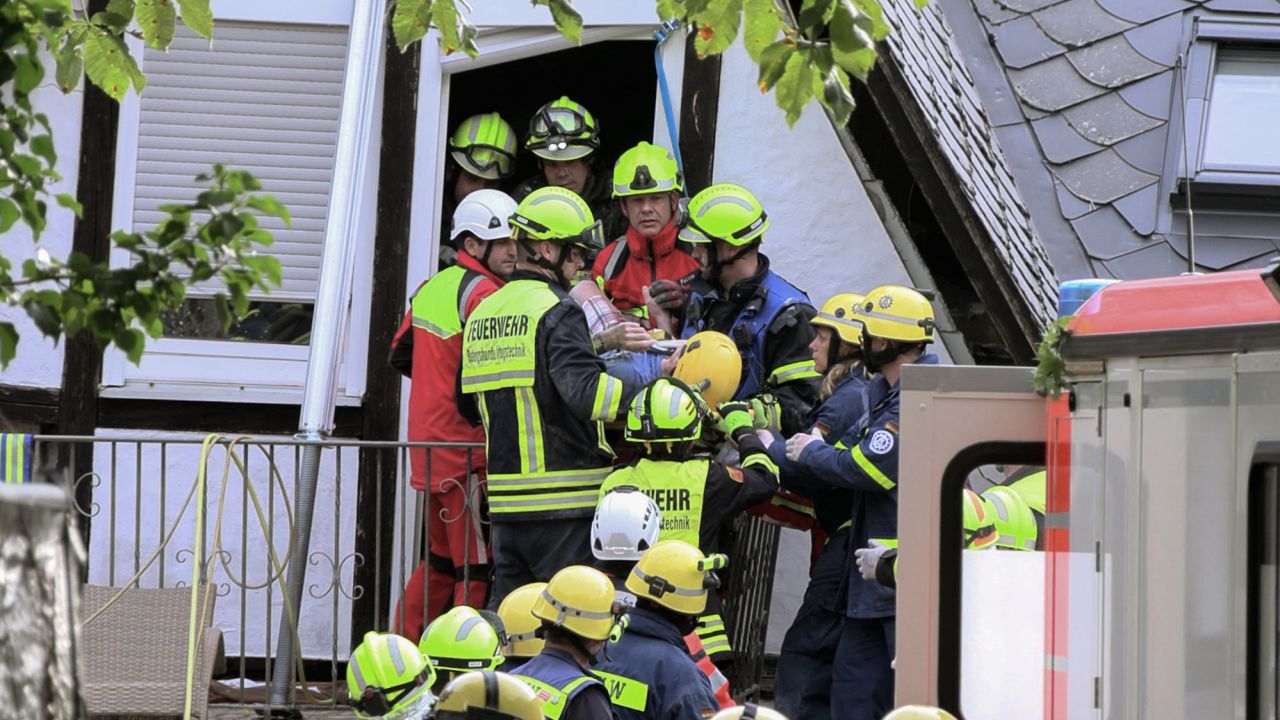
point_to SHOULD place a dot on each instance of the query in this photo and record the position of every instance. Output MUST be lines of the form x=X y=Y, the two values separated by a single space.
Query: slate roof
x=1088 y=87
x=922 y=47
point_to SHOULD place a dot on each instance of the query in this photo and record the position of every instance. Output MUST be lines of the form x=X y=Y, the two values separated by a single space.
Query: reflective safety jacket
x=543 y=397
x=650 y=674
x=632 y=262
x=865 y=460
x=562 y=685
x=428 y=349
x=768 y=319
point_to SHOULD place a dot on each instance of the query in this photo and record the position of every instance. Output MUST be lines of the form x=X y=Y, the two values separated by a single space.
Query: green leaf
x=814 y=16
x=444 y=16
x=410 y=21
x=795 y=87
x=718 y=27
x=42 y=145
x=119 y=14
x=835 y=95
x=9 y=214
x=668 y=9
x=157 y=19
x=68 y=201
x=70 y=60
x=270 y=206
x=132 y=342
x=107 y=63
x=44 y=317
x=8 y=343
x=773 y=61
x=1051 y=369
x=853 y=48
x=28 y=73
x=761 y=23
x=568 y=20
x=197 y=16
x=872 y=19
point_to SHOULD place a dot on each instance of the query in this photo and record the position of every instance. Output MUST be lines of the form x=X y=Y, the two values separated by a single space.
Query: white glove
x=765 y=436
x=868 y=557
x=796 y=444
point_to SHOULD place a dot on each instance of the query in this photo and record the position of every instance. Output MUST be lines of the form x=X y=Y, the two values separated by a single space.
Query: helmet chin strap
x=718 y=265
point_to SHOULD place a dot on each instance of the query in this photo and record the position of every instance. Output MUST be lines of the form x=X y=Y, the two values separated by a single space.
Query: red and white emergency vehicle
x=1156 y=596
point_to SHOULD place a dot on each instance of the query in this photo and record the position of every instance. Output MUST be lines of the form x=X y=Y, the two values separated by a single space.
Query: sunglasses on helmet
x=486 y=157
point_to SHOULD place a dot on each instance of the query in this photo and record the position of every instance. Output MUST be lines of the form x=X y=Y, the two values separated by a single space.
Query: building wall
x=39 y=360
x=824 y=234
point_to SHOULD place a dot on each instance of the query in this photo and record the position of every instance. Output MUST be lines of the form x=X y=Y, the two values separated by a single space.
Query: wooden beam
x=376 y=489
x=27 y=406
x=219 y=417
x=95 y=190
x=699 y=107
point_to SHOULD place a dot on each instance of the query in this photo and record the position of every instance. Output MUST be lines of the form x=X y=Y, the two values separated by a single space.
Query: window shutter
x=263 y=98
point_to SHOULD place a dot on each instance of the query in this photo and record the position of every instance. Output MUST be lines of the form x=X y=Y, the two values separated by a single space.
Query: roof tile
x=1157 y=259
x=1140 y=208
x=1106 y=234
x=1076 y=23
x=1152 y=96
x=1102 y=177
x=1158 y=41
x=1026 y=6
x=1112 y=62
x=1146 y=151
x=1142 y=11
x=1220 y=252
x=1108 y=119
x=1059 y=142
x=1072 y=206
x=1021 y=43
x=993 y=12
x=1052 y=85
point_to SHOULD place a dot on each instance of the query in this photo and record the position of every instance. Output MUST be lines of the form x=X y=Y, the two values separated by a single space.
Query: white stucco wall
x=825 y=237
x=39 y=360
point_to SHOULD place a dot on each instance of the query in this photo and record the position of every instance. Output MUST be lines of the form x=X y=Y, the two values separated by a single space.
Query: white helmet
x=627 y=523
x=483 y=213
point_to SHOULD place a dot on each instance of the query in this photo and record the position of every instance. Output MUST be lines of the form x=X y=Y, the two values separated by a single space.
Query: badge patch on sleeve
x=881 y=442
x=735 y=474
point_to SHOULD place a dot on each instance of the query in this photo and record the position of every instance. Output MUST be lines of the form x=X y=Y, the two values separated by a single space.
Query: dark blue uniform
x=803 y=685
x=566 y=690
x=650 y=674
x=865 y=460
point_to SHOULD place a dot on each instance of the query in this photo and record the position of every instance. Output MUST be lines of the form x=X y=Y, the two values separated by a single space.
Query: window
x=1232 y=98
x=265 y=97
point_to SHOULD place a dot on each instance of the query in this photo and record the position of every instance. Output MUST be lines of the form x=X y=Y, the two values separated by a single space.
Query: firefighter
x=428 y=349
x=1028 y=481
x=919 y=712
x=459 y=641
x=482 y=155
x=804 y=663
x=897 y=326
x=544 y=394
x=520 y=625
x=1014 y=519
x=766 y=316
x=387 y=677
x=579 y=614
x=649 y=671
x=879 y=562
x=647 y=184
x=564 y=136
x=627 y=523
x=698 y=496
x=750 y=711
x=487 y=695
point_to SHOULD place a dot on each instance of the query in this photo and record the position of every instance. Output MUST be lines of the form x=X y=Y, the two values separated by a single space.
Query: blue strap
x=661 y=35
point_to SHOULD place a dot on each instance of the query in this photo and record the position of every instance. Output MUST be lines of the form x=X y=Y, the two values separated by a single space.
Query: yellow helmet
x=462 y=640
x=711 y=364
x=894 y=312
x=919 y=712
x=489 y=695
x=747 y=712
x=516 y=612
x=580 y=599
x=837 y=314
x=387 y=674
x=676 y=575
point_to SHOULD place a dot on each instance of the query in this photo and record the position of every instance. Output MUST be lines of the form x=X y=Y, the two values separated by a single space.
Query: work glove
x=766 y=412
x=623 y=336
x=868 y=557
x=734 y=415
x=669 y=295
x=797 y=443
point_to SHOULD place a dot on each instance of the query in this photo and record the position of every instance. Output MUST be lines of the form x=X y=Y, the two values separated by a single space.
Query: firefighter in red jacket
x=428 y=349
x=647 y=184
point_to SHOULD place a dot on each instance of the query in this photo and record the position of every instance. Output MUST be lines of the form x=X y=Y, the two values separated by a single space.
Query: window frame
x=229 y=370
x=1210 y=34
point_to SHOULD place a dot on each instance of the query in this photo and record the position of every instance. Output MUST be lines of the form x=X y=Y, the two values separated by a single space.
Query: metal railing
x=136 y=496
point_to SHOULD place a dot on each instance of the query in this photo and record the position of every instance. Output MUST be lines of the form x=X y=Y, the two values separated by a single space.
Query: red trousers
x=457 y=549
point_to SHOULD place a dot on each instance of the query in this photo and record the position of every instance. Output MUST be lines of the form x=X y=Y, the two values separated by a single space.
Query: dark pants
x=803 y=685
x=533 y=551
x=862 y=681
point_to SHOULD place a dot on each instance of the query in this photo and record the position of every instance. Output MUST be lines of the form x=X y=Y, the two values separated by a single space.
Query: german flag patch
x=735 y=474
x=892 y=427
